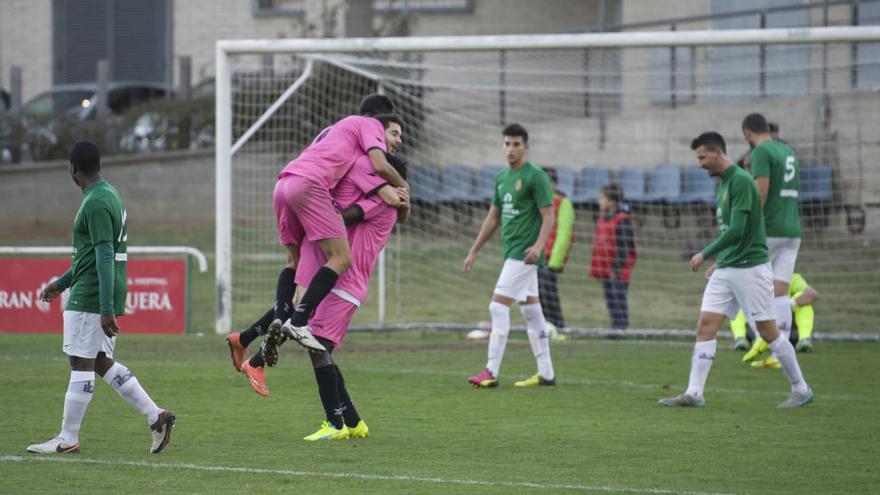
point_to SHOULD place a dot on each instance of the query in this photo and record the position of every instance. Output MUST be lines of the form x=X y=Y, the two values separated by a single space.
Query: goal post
x=624 y=104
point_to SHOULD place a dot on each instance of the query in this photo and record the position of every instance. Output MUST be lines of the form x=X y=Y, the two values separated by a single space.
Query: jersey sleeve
x=370 y=134
x=742 y=192
x=760 y=163
x=496 y=198
x=364 y=178
x=543 y=192
x=99 y=221
x=371 y=206
x=797 y=286
x=564 y=234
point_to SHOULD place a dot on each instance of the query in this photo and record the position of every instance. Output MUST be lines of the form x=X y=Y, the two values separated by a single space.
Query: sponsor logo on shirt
x=518 y=185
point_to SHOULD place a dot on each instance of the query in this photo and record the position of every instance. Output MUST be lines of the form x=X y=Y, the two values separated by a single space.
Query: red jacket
x=605 y=247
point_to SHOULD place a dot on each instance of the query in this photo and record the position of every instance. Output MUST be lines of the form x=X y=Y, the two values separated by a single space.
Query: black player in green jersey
x=98 y=288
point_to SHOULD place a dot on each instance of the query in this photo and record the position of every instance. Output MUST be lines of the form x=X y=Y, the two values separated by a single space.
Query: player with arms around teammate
x=371 y=106
x=98 y=287
x=304 y=210
x=371 y=218
x=775 y=169
x=741 y=277
x=523 y=207
x=359 y=182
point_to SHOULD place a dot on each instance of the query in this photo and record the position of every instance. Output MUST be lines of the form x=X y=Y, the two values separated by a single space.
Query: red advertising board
x=156 y=301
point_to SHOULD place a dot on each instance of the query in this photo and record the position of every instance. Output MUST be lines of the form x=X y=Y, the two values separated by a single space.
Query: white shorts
x=83 y=336
x=750 y=289
x=783 y=256
x=517 y=280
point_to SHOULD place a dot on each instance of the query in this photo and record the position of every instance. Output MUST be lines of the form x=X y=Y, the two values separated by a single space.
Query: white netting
x=625 y=114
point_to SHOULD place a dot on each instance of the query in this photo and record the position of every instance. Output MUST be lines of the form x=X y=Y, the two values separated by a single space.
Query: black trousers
x=615 y=299
x=549 y=294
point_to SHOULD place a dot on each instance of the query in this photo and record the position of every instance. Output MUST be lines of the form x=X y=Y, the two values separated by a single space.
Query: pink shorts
x=332 y=318
x=305 y=209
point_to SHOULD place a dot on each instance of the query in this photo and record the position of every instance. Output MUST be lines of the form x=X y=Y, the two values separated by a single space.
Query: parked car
x=68 y=111
x=173 y=125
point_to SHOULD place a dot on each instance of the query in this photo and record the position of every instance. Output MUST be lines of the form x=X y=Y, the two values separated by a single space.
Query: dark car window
x=121 y=99
x=58 y=102
x=204 y=89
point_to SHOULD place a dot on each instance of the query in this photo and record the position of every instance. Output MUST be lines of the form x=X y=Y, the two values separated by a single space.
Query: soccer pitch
x=599 y=431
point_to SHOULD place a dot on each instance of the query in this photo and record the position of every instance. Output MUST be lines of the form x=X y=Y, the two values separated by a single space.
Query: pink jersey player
x=334 y=314
x=359 y=182
x=303 y=205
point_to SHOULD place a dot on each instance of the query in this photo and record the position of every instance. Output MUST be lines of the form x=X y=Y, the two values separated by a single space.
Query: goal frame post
x=224 y=49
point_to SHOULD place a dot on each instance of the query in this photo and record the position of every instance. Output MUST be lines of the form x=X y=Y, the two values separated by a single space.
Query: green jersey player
x=522 y=205
x=741 y=277
x=776 y=171
x=98 y=288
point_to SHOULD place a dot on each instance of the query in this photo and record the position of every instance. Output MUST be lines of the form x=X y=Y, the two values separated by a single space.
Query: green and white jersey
x=737 y=192
x=520 y=194
x=101 y=218
x=777 y=161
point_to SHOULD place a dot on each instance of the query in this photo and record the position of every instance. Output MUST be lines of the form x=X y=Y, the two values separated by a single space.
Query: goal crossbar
x=225 y=49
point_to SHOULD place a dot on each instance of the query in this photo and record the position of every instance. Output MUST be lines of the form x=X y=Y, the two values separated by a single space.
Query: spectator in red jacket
x=614 y=253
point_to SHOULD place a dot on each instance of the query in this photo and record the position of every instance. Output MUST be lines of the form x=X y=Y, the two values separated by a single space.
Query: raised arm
x=384 y=169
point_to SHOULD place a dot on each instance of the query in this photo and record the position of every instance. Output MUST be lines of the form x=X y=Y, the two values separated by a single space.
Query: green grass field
x=599 y=431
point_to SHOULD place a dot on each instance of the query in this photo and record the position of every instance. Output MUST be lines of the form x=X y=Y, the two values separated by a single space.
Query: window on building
x=278 y=8
x=867 y=59
x=739 y=73
x=671 y=75
x=425 y=6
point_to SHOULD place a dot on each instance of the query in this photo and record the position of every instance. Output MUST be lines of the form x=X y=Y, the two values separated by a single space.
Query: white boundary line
x=360 y=476
x=662 y=389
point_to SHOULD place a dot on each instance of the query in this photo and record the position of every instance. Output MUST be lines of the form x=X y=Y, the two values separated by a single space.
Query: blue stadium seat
x=486 y=182
x=424 y=180
x=591 y=179
x=565 y=180
x=665 y=184
x=458 y=185
x=698 y=187
x=815 y=184
x=632 y=181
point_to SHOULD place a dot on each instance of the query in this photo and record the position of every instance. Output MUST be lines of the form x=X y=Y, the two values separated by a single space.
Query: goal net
x=599 y=108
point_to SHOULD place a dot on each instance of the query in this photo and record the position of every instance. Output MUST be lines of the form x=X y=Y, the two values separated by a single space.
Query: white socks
x=784 y=352
x=701 y=363
x=782 y=306
x=498 y=338
x=537 y=330
x=126 y=385
x=79 y=394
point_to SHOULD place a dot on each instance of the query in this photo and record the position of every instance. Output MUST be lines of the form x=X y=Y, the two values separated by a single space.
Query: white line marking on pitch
x=620 y=383
x=362 y=476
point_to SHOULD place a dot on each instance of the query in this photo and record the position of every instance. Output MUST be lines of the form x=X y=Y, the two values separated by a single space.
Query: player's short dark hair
x=711 y=140
x=773 y=126
x=375 y=104
x=613 y=192
x=551 y=172
x=756 y=122
x=387 y=118
x=516 y=130
x=85 y=157
x=398 y=163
